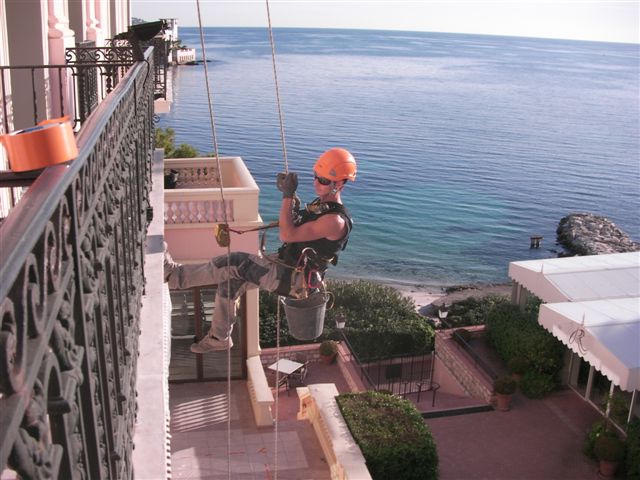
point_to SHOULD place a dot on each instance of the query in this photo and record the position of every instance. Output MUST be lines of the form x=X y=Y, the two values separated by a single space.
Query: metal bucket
x=305 y=317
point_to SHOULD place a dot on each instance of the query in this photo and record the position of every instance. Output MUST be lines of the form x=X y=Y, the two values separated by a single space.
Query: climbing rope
x=222 y=233
x=226 y=221
x=275 y=78
x=286 y=169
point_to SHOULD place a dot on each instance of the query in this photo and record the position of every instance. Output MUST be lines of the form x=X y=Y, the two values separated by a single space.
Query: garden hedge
x=632 y=462
x=472 y=311
x=395 y=441
x=516 y=333
x=381 y=323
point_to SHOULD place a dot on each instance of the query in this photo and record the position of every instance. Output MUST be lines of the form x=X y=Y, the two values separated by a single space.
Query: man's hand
x=287 y=183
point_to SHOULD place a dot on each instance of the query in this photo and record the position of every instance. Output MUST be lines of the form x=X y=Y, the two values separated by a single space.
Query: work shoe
x=211 y=344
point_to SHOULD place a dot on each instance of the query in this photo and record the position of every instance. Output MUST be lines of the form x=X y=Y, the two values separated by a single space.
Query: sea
x=467 y=145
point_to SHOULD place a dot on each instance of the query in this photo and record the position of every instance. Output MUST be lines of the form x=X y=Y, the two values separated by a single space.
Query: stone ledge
x=319 y=406
x=259 y=392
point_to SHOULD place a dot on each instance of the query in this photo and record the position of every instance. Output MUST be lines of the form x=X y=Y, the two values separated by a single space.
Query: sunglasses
x=321 y=180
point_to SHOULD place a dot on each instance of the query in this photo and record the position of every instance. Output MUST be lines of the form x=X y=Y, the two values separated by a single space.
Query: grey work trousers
x=244 y=271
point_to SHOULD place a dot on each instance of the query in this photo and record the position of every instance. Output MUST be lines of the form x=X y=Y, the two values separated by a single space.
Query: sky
x=597 y=20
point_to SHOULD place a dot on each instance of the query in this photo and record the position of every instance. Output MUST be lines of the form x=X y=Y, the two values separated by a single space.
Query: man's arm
x=330 y=226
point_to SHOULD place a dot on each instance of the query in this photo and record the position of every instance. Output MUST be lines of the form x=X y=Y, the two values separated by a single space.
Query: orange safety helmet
x=336 y=164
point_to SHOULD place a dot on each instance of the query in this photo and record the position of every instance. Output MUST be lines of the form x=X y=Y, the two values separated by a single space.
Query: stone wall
x=589 y=234
x=469 y=376
x=310 y=351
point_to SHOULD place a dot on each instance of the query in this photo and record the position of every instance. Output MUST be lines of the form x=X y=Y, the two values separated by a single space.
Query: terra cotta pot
x=607 y=468
x=503 y=402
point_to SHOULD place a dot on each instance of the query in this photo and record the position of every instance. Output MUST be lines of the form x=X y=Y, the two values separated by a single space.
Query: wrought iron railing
x=71 y=279
x=74 y=89
x=400 y=375
x=161 y=48
x=160 y=62
x=98 y=70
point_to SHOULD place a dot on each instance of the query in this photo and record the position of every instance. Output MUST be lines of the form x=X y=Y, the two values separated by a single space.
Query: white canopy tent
x=593 y=307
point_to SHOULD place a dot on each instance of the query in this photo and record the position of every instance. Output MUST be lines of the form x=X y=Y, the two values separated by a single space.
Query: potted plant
x=328 y=351
x=504 y=387
x=610 y=451
x=517 y=366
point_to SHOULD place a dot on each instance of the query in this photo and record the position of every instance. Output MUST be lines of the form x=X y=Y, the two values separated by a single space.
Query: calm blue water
x=466 y=145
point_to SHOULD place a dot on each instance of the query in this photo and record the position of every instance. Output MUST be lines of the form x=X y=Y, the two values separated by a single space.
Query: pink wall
x=190 y=245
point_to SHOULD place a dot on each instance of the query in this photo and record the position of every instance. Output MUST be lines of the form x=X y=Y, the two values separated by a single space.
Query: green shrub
x=395 y=441
x=165 y=139
x=268 y=304
x=518 y=365
x=597 y=429
x=609 y=448
x=380 y=322
x=619 y=405
x=632 y=461
x=516 y=333
x=472 y=311
x=328 y=348
x=379 y=343
x=505 y=385
x=537 y=385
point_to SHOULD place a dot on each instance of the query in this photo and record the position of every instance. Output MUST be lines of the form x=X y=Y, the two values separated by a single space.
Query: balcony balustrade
x=195 y=205
x=71 y=280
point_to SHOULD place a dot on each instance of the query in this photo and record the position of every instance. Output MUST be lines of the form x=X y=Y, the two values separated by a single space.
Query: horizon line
x=416 y=31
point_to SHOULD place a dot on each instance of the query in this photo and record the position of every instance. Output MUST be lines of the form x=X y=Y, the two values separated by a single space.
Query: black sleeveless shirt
x=326 y=250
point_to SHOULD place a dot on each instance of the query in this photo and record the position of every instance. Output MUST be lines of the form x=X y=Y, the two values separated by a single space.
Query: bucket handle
x=331 y=300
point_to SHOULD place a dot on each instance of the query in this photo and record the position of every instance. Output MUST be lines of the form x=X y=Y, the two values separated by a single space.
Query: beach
x=426 y=297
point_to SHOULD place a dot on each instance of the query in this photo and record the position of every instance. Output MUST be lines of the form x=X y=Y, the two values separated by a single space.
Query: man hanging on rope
x=312 y=240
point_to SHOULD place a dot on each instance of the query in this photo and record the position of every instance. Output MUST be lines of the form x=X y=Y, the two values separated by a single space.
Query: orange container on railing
x=49 y=143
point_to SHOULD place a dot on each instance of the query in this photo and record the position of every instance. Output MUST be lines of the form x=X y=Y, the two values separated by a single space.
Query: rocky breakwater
x=589 y=234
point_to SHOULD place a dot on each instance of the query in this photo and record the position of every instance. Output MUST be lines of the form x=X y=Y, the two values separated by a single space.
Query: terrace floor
x=536 y=439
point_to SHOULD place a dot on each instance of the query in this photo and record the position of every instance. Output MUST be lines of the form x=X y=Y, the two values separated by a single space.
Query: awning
x=575 y=279
x=593 y=307
x=605 y=333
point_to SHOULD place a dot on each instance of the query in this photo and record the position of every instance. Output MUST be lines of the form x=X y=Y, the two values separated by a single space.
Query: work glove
x=287 y=183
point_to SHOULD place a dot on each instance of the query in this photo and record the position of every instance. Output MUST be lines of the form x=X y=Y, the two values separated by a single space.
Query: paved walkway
x=199 y=433
x=199 y=443
x=535 y=440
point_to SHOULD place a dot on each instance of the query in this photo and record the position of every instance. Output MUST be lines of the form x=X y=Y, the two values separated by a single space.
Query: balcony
x=76 y=88
x=72 y=277
x=33 y=93
x=195 y=206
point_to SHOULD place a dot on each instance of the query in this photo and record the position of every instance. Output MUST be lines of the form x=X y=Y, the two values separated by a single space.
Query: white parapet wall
x=318 y=405
x=261 y=395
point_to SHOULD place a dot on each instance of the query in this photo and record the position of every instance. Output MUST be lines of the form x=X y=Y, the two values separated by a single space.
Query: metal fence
x=71 y=279
x=73 y=89
x=76 y=88
x=400 y=375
